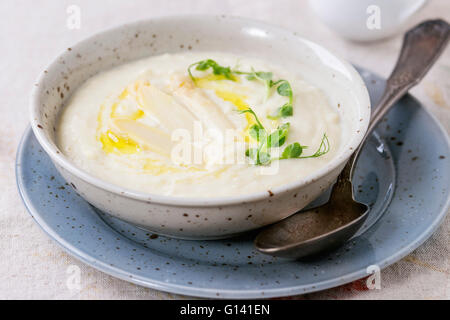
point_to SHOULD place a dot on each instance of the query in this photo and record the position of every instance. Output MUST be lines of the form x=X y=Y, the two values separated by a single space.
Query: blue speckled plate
x=404 y=174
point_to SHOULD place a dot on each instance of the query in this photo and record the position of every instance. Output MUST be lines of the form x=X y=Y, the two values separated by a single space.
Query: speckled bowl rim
x=58 y=157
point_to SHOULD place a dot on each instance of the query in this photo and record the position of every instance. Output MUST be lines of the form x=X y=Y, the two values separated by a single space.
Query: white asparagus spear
x=199 y=104
x=171 y=114
x=152 y=138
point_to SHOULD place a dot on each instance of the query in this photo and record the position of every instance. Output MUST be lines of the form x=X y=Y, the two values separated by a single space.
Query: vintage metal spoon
x=330 y=225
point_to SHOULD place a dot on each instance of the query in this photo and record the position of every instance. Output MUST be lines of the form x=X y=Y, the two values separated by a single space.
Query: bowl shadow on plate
x=219 y=250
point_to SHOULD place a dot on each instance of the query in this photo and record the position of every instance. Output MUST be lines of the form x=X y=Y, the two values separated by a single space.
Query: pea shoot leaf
x=293 y=150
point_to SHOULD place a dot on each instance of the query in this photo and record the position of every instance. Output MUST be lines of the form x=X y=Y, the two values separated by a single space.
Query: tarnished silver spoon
x=332 y=224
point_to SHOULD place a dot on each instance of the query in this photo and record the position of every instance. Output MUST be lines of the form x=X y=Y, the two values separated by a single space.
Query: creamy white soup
x=199 y=125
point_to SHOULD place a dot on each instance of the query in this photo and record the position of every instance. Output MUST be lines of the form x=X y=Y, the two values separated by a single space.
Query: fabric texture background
x=32 y=33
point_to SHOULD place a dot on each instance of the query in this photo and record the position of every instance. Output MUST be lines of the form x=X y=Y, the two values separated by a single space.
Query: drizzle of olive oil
x=134 y=116
x=113 y=143
x=153 y=167
x=124 y=94
x=150 y=166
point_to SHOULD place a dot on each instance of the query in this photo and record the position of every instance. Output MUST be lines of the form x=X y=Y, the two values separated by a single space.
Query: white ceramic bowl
x=202 y=218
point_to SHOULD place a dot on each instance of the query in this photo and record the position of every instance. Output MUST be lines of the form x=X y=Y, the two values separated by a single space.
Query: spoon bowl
x=318 y=229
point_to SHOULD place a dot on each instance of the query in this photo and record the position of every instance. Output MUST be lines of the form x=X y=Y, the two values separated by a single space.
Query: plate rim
x=223 y=293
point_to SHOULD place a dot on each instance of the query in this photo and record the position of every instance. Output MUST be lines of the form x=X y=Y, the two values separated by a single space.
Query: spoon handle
x=422 y=46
